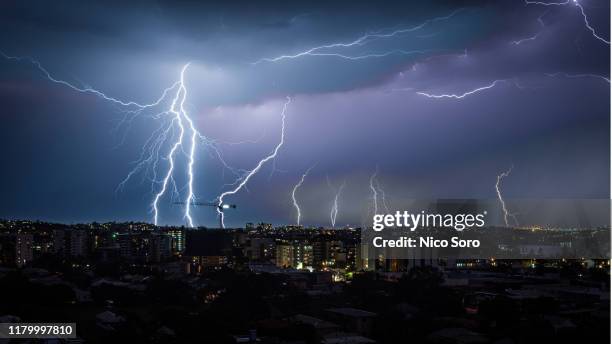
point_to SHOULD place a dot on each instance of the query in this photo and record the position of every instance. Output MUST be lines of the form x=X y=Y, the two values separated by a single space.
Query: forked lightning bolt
x=243 y=180
x=507 y=213
x=181 y=118
x=296 y=205
x=173 y=119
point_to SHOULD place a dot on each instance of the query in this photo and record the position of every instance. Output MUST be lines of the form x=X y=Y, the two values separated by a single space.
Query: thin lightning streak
x=507 y=214
x=86 y=89
x=540 y=20
x=523 y=40
x=149 y=154
x=535 y=36
x=334 y=210
x=579 y=76
x=584 y=16
x=367 y=38
x=383 y=197
x=588 y=25
x=463 y=95
x=254 y=171
x=294 y=199
x=374 y=191
x=372 y=55
x=378 y=191
x=547 y=3
x=497 y=82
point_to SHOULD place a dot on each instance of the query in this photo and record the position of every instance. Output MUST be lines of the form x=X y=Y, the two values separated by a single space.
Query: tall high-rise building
x=178 y=240
x=284 y=255
x=298 y=255
x=303 y=255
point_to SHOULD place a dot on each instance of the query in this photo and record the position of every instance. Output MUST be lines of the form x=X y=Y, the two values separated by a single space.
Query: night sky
x=354 y=109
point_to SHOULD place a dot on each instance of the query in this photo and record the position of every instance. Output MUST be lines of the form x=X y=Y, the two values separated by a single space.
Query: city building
x=23 y=248
x=178 y=240
x=145 y=247
x=297 y=255
x=79 y=243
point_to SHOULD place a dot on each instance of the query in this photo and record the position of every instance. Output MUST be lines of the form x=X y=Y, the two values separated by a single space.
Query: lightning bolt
x=88 y=90
x=465 y=94
x=334 y=210
x=535 y=36
x=582 y=12
x=376 y=191
x=500 y=81
x=174 y=119
x=566 y=75
x=383 y=197
x=360 y=41
x=294 y=199
x=243 y=180
x=180 y=118
x=507 y=213
x=523 y=40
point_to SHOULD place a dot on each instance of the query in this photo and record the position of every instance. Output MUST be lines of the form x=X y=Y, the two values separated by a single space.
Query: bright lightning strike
x=148 y=162
x=181 y=117
x=507 y=214
x=582 y=12
x=245 y=179
x=294 y=199
x=363 y=40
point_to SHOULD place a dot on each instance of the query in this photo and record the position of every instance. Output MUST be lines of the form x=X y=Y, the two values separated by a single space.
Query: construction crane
x=219 y=207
